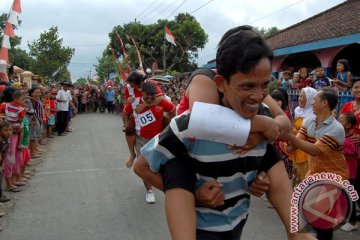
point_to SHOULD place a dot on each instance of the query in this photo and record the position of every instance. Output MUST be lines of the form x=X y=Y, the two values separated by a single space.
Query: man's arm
x=279 y=115
x=280 y=192
x=143 y=105
x=298 y=143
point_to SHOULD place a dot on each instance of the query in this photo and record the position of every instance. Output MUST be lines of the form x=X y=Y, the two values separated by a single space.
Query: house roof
x=338 y=21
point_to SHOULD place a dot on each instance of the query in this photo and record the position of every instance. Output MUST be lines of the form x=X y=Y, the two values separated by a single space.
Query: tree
x=267 y=33
x=17 y=56
x=50 y=57
x=190 y=37
x=105 y=66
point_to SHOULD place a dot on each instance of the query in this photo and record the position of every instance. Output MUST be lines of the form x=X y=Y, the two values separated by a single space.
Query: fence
x=344 y=96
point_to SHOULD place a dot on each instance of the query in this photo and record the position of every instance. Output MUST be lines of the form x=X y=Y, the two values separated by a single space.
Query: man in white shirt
x=63 y=99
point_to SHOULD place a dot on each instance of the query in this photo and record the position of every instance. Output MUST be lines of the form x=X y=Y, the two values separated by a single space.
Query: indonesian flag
x=16 y=6
x=169 y=36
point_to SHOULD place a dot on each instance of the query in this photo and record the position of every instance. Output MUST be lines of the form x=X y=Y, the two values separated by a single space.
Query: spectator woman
x=343 y=76
x=303 y=111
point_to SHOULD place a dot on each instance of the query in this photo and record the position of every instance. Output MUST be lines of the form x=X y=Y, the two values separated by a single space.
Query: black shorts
x=179 y=173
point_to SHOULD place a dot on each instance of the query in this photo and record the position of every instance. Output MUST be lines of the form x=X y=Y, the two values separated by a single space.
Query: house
x=320 y=41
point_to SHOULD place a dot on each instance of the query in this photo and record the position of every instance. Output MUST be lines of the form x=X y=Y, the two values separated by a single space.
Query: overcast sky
x=85 y=24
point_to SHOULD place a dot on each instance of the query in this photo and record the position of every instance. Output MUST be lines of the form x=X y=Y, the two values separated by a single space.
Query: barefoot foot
x=130 y=162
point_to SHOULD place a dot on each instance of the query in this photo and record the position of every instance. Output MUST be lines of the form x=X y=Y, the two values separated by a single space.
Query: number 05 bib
x=146 y=118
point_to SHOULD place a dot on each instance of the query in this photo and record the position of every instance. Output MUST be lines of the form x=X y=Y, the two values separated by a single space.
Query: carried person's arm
x=279 y=115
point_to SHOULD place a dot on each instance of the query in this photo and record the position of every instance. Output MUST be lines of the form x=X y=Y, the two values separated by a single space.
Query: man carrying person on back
x=149 y=123
x=172 y=158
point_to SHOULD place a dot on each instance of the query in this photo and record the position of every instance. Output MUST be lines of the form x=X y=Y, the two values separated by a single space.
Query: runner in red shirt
x=149 y=122
x=132 y=96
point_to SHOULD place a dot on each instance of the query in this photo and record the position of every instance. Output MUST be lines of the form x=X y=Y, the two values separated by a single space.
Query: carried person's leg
x=130 y=140
x=179 y=185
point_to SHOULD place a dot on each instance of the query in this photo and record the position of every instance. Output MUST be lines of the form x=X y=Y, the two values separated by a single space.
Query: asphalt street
x=82 y=190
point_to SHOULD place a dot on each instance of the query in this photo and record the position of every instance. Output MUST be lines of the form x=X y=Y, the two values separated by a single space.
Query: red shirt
x=348 y=108
x=149 y=122
x=52 y=106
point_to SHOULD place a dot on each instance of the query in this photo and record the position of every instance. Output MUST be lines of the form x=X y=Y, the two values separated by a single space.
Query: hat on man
x=65 y=82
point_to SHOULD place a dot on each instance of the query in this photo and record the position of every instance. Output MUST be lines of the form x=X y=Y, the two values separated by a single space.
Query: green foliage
x=17 y=56
x=269 y=32
x=20 y=58
x=105 y=66
x=190 y=37
x=81 y=81
x=50 y=57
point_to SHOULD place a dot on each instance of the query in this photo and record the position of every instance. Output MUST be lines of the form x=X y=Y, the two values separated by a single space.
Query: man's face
x=319 y=73
x=318 y=103
x=148 y=98
x=245 y=92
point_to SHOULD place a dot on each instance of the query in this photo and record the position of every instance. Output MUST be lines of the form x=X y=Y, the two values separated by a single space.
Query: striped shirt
x=14 y=114
x=328 y=138
x=213 y=160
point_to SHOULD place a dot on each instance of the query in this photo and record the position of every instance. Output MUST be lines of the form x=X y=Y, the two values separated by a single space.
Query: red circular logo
x=325 y=205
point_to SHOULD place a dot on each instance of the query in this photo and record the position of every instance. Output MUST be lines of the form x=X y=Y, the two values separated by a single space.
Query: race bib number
x=146 y=118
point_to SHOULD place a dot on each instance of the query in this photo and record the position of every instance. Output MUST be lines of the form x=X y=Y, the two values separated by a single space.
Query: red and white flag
x=169 y=36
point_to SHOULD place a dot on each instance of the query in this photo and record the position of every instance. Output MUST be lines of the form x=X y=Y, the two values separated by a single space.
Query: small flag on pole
x=169 y=36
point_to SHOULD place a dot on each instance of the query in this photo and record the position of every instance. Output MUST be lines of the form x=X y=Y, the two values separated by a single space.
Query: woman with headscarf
x=304 y=110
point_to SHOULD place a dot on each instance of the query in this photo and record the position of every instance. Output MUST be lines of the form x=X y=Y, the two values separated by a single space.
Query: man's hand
x=260 y=185
x=210 y=194
x=253 y=140
x=267 y=126
x=129 y=100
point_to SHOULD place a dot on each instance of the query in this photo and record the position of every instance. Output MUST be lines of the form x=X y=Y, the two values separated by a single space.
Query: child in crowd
x=343 y=77
x=296 y=80
x=352 y=155
x=286 y=81
x=5 y=134
x=25 y=151
x=14 y=114
x=279 y=97
x=305 y=80
x=52 y=115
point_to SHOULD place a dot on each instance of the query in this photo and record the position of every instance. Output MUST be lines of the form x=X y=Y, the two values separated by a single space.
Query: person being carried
x=175 y=159
x=150 y=123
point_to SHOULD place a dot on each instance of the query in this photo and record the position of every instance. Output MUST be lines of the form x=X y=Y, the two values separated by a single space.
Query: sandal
x=19 y=184
x=15 y=189
x=4 y=199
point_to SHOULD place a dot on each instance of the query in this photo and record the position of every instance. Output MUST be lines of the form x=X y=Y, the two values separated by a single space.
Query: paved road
x=82 y=190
